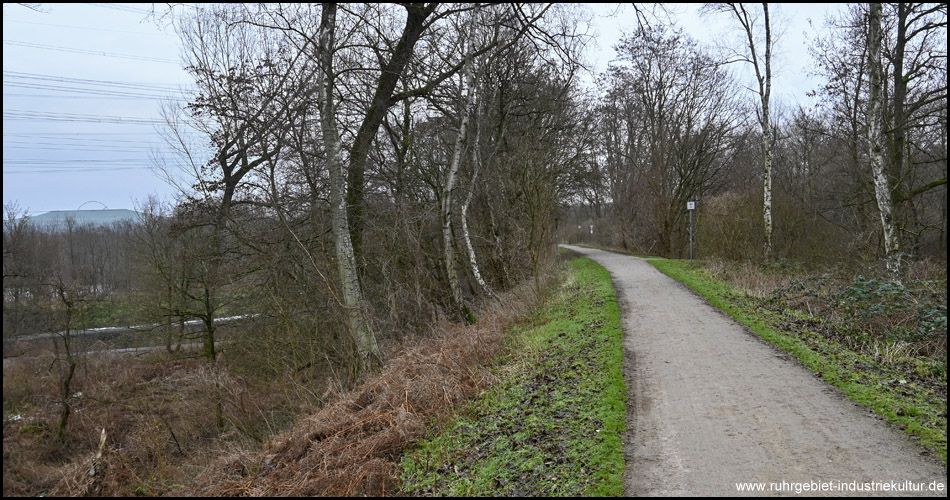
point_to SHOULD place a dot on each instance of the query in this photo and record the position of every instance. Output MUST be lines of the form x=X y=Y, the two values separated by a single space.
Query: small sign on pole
x=691 y=205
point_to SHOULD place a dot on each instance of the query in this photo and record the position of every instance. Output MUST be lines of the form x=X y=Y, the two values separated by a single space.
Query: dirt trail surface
x=711 y=405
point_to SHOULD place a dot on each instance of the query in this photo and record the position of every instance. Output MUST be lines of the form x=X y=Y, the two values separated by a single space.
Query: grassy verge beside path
x=552 y=425
x=915 y=404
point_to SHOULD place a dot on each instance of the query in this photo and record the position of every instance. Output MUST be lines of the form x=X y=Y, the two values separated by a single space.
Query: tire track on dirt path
x=712 y=405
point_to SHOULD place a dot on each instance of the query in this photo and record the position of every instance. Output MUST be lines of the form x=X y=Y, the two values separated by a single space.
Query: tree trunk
x=65 y=408
x=764 y=77
x=876 y=151
x=66 y=379
x=767 y=187
x=208 y=350
x=448 y=240
x=766 y=93
x=368 y=354
x=473 y=262
x=900 y=157
x=416 y=15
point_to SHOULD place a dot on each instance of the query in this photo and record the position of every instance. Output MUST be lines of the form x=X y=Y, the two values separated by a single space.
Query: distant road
x=12 y=350
x=715 y=411
x=116 y=330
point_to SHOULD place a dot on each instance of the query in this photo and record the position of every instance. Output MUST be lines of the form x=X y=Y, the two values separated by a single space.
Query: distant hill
x=57 y=218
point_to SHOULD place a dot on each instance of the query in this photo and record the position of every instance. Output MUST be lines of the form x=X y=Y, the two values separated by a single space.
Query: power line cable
x=20 y=114
x=81 y=27
x=93 y=97
x=58 y=134
x=60 y=138
x=89 y=88
x=92 y=92
x=94 y=82
x=77 y=170
x=68 y=145
x=120 y=7
x=79 y=148
x=127 y=144
x=66 y=163
x=90 y=52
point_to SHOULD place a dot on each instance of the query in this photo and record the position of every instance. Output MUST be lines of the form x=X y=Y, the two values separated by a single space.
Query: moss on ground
x=552 y=425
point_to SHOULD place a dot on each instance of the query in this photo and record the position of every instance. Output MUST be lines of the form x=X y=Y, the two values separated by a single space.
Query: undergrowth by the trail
x=838 y=334
x=552 y=426
x=286 y=432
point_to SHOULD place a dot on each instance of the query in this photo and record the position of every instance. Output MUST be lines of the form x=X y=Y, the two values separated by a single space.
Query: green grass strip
x=552 y=425
x=921 y=414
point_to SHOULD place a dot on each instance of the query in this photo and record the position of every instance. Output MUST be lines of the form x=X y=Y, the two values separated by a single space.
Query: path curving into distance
x=711 y=405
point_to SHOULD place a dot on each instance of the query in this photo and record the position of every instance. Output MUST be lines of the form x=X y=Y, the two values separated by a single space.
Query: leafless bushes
x=155 y=414
x=162 y=434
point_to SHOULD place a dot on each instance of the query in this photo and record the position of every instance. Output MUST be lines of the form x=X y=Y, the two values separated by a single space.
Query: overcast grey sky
x=82 y=83
x=81 y=89
x=797 y=24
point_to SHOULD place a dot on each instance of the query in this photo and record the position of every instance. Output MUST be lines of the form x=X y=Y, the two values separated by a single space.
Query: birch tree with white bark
x=876 y=144
x=758 y=52
x=466 y=87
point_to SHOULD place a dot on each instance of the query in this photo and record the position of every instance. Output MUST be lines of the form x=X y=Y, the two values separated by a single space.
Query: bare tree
x=876 y=144
x=342 y=68
x=467 y=86
x=762 y=63
x=17 y=242
x=369 y=357
x=466 y=234
x=912 y=63
x=915 y=97
x=672 y=132
x=241 y=75
x=71 y=297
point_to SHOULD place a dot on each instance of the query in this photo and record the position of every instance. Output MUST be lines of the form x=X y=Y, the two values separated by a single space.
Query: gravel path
x=711 y=406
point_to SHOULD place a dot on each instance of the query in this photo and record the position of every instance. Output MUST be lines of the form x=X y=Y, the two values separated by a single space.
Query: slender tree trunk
x=213 y=270
x=448 y=240
x=208 y=349
x=763 y=74
x=473 y=262
x=767 y=187
x=65 y=408
x=766 y=93
x=368 y=353
x=67 y=378
x=876 y=151
x=900 y=156
x=498 y=249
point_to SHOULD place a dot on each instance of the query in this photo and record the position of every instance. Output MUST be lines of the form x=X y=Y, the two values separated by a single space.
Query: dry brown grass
x=353 y=445
x=139 y=403
x=926 y=269
x=747 y=276
x=162 y=438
